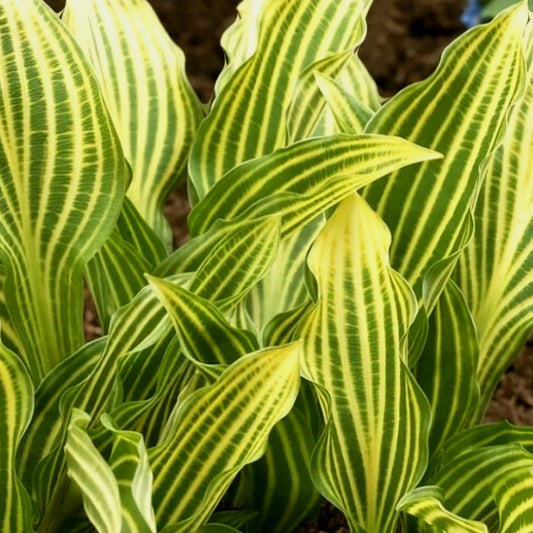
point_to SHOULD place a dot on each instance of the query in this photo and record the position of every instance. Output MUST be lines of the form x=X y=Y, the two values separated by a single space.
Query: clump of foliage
x=359 y=276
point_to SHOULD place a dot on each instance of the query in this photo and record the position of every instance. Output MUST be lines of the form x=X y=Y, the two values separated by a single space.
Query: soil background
x=404 y=43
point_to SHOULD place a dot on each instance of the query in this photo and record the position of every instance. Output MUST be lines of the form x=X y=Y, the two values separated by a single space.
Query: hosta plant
x=358 y=277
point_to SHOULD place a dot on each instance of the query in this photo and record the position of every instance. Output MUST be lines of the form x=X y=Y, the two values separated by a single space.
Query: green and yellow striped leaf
x=292 y=36
x=513 y=493
x=350 y=114
x=308 y=104
x=9 y=336
x=142 y=76
x=63 y=177
x=468 y=479
x=426 y=503
x=206 y=337
x=351 y=95
x=217 y=431
x=16 y=406
x=279 y=485
x=459 y=111
x=494 y=272
x=283 y=287
x=116 y=496
x=44 y=434
x=116 y=273
x=447 y=368
x=374 y=448
x=301 y=181
x=239 y=41
x=482 y=436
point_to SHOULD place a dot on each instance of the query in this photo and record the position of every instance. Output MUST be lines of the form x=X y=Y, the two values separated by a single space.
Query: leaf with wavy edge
x=301 y=181
x=426 y=503
x=513 y=493
x=63 y=177
x=493 y=271
x=16 y=403
x=459 y=111
x=377 y=417
x=206 y=337
x=447 y=368
x=218 y=430
x=141 y=72
x=351 y=114
x=293 y=35
x=116 y=496
x=227 y=268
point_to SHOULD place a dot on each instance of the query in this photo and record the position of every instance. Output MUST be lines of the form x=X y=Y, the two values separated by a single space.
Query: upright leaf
x=116 y=496
x=374 y=448
x=217 y=431
x=494 y=271
x=142 y=75
x=292 y=36
x=16 y=406
x=460 y=112
x=447 y=368
x=62 y=179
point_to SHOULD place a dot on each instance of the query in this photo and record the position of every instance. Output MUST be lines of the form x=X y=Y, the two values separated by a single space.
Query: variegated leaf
x=116 y=496
x=494 y=273
x=142 y=76
x=377 y=417
x=16 y=406
x=217 y=431
x=447 y=368
x=63 y=177
x=293 y=36
x=302 y=180
x=426 y=503
x=459 y=111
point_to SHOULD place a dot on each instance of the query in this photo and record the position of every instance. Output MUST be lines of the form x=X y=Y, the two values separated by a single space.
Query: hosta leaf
x=16 y=406
x=485 y=435
x=206 y=337
x=513 y=493
x=142 y=75
x=239 y=41
x=493 y=273
x=349 y=98
x=426 y=503
x=9 y=336
x=351 y=115
x=45 y=431
x=116 y=496
x=217 y=431
x=446 y=370
x=304 y=179
x=293 y=36
x=116 y=273
x=377 y=417
x=279 y=485
x=468 y=479
x=283 y=287
x=459 y=111
x=308 y=103
x=63 y=178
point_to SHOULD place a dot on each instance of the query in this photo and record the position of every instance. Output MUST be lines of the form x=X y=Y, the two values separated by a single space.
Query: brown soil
x=404 y=43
